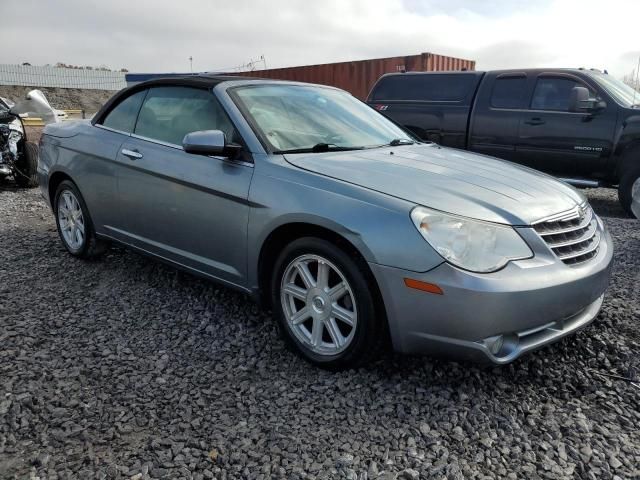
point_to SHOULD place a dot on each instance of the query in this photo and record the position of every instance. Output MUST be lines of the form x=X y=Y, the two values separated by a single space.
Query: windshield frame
x=605 y=81
x=232 y=92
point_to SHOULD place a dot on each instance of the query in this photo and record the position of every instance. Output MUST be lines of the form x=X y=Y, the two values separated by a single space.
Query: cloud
x=147 y=35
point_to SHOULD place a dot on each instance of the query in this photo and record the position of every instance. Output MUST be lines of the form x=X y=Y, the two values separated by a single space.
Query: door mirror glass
x=209 y=142
x=581 y=101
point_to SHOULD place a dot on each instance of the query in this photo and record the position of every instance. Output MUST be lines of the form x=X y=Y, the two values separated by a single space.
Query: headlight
x=470 y=244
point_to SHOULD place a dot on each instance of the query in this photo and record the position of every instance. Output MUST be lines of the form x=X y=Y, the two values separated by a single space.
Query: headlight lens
x=470 y=244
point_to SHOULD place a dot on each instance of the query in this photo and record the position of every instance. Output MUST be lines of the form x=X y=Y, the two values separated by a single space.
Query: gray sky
x=158 y=36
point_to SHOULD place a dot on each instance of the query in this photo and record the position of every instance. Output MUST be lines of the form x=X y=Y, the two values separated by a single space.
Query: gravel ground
x=125 y=368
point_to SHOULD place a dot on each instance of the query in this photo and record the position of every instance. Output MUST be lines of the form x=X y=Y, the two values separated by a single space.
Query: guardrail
x=38 y=122
x=32 y=122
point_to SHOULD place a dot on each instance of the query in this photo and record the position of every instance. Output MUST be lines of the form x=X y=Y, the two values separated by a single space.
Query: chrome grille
x=573 y=236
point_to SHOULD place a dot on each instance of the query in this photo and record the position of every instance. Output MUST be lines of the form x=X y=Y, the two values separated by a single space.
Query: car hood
x=449 y=180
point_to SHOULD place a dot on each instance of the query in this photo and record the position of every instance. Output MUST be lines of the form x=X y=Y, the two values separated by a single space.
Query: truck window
x=553 y=93
x=509 y=92
x=428 y=87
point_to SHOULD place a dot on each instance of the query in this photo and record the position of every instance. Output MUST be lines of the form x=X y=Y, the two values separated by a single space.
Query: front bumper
x=498 y=316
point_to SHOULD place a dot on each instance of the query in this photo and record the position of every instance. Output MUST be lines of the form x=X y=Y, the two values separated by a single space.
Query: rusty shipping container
x=359 y=76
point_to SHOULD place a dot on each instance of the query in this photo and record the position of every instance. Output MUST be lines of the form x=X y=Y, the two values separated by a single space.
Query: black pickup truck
x=580 y=125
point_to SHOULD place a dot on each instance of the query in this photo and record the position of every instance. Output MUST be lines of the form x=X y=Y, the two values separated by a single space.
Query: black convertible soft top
x=197 y=81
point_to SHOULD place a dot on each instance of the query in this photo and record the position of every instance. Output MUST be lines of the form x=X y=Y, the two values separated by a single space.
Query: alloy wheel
x=318 y=304
x=71 y=220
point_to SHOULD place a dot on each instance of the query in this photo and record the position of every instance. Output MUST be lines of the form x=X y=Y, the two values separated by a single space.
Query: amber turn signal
x=424 y=286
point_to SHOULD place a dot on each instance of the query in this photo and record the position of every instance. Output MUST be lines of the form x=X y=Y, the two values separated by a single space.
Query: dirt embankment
x=63 y=98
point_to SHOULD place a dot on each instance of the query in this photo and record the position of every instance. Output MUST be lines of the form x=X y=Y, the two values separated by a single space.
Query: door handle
x=535 y=121
x=132 y=154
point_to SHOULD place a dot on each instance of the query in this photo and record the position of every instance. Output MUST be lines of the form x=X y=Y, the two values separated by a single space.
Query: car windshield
x=299 y=118
x=620 y=91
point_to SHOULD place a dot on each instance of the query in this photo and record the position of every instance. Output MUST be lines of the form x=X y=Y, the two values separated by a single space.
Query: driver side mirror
x=581 y=101
x=209 y=142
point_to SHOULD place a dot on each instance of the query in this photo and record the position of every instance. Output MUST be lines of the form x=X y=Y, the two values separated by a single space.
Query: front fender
x=379 y=226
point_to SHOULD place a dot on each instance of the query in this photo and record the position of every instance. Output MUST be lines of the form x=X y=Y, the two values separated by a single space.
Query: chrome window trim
x=179 y=147
x=99 y=125
x=157 y=142
x=174 y=146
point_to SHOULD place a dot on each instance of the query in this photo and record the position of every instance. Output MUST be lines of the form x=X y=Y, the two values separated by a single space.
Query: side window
x=553 y=93
x=169 y=113
x=123 y=116
x=509 y=92
x=435 y=87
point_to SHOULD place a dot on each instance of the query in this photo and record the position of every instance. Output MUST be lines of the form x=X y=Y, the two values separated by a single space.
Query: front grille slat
x=580 y=249
x=556 y=227
x=574 y=237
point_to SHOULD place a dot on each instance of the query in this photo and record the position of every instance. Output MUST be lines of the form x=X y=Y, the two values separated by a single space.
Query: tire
x=71 y=211
x=362 y=340
x=26 y=174
x=627 y=181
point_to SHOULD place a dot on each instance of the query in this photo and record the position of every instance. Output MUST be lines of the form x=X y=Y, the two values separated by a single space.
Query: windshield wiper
x=319 y=148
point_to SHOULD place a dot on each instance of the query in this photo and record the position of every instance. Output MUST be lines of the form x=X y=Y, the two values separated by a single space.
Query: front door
x=554 y=140
x=189 y=209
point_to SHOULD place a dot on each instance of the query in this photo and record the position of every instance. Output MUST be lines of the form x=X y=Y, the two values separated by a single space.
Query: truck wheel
x=26 y=169
x=629 y=180
x=325 y=306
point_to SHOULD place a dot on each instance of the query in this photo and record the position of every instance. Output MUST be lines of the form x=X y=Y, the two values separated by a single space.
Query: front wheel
x=629 y=184
x=325 y=305
x=26 y=169
x=74 y=223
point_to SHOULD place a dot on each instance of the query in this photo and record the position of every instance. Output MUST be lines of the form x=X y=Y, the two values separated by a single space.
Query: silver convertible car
x=353 y=232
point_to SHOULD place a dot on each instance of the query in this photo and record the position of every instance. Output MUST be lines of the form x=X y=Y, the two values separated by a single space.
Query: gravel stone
x=125 y=368
x=409 y=474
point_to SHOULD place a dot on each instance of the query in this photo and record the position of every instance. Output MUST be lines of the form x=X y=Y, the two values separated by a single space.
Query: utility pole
x=191 y=63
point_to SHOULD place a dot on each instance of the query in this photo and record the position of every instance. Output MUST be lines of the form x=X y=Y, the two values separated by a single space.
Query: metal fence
x=32 y=76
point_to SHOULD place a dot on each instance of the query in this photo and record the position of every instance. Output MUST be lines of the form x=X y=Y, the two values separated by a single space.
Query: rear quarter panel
x=85 y=153
x=445 y=124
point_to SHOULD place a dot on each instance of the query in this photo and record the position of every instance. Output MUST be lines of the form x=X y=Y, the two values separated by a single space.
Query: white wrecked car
x=18 y=157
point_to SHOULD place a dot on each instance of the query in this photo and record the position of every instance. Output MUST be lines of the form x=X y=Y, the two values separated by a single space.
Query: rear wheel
x=325 y=306
x=74 y=223
x=629 y=182
x=26 y=169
